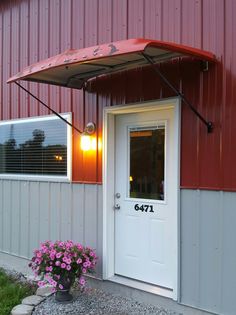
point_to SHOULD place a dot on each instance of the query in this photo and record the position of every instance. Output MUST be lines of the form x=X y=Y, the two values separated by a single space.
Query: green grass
x=11 y=292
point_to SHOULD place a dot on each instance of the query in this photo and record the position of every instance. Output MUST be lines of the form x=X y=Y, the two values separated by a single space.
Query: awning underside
x=75 y=75
x=75 y=67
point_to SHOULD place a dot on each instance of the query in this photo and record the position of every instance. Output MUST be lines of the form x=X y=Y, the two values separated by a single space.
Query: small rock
x=32 y=300
x=44 y=291
x=32 y=278
x=22 y=310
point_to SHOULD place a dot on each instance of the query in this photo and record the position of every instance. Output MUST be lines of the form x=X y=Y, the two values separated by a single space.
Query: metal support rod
x=52 y=110
x=207 y=123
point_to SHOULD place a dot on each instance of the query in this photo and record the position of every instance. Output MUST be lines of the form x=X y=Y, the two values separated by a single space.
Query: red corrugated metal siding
x=31 y=30
x=229 y=99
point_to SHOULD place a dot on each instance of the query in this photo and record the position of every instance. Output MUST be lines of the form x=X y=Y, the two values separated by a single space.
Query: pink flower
x=61 y=286
x=50 y=281
x=52 y=255
x=44 y=250
x=80 y=247
x=68 y=261
x=92 y=254
x=88 y=264
x=82 y=281
x=79 y=261
x=58 y=255
x=41 y=284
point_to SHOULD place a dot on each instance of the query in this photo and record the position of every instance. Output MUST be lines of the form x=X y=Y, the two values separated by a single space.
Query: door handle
x=117 y=206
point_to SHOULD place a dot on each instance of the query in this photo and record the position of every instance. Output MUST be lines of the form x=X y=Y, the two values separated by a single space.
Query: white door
x=146 y=196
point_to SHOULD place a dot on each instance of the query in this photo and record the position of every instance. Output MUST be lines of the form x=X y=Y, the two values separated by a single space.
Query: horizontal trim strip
x=87 y=182
x=208 y=188
x=101 y=183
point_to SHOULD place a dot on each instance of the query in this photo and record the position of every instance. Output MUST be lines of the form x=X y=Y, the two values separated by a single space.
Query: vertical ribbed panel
x=32 y=30
x=34 y=54
x=31 y=212
x=6 y=63
x=1 y=64
x=229 y=97
x=15 y=48
x=23 y=55
x=208 y=255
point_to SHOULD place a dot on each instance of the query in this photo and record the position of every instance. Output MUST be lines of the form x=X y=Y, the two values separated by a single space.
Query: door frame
x=109 y=114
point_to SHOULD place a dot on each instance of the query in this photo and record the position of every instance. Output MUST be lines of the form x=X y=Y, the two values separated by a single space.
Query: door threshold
x=147 y=287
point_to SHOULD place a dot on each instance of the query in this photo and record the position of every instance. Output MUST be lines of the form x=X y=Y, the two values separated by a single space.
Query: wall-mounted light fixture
x=87 y=141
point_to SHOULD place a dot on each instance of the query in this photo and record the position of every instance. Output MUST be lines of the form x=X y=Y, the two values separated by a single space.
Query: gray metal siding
x=208 y=250
x=31 y=212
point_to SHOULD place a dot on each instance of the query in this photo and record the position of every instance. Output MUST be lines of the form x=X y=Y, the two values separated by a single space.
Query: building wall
x=208 y=250
x=32 y=212
x=32 y=30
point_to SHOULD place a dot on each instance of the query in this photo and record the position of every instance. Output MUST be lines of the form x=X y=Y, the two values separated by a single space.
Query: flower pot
x=60 y=263
x=63 y=295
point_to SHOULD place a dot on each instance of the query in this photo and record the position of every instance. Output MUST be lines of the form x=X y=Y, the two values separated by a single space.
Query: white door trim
x=109 y=182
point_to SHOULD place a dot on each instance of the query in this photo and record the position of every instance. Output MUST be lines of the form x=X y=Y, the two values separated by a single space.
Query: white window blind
x=36 y=146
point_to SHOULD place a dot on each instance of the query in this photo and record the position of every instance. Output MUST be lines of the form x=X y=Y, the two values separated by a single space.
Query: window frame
x=158 y=124
x=52 y=178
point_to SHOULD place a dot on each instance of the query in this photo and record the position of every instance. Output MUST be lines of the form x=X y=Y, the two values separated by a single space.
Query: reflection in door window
x=147 y=162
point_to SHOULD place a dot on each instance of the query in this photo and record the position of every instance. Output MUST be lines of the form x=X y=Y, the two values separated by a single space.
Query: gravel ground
x=94 y=301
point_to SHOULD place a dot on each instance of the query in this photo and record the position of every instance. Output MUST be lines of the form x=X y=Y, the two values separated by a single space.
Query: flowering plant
x=57 y=261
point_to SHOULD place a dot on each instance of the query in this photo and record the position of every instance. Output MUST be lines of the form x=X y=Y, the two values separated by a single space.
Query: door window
x=147 y=162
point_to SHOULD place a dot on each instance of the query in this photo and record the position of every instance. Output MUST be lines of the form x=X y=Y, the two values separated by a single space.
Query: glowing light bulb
x=93 y=144
x=85 y=142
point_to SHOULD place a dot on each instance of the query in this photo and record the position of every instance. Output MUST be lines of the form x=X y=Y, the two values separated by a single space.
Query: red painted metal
x=52 y=70
x=32 y=30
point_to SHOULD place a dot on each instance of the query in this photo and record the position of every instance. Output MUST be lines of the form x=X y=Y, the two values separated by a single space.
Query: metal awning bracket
x=52 y=110
x=204 y=65
x=208 y=124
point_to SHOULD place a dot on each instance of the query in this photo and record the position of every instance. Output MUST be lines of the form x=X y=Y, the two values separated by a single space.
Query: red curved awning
x=75 y=66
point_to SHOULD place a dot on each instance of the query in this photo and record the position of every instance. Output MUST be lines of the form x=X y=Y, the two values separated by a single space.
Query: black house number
x=143 y=208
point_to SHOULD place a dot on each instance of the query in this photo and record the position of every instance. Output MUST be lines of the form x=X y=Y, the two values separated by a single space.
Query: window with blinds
x=37 y=147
